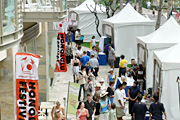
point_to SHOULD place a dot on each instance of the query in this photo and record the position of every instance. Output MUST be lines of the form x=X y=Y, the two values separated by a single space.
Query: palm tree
x=140 y=7
x=169 y=7
x=158 y=22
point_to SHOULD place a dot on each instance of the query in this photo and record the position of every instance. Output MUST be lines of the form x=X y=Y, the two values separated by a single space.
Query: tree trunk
x=169 y=7
x=97 y=24
x=158 y=22
x=113 y=6
x=121 y=4
x=140 y=7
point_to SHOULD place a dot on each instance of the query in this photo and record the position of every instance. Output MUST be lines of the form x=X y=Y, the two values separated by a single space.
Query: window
x=64 y=4
x=8 y=16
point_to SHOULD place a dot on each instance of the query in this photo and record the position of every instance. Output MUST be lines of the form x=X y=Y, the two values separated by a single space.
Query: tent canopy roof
x=127 y=15
x=166 y=36
x=168 y=58
x=84 y=9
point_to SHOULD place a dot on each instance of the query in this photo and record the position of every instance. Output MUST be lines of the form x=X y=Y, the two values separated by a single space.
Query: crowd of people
x=100 y=102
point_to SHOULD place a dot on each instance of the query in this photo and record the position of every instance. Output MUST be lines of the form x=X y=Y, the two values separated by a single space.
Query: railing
x=30 y=33
x=72 y=3
x=44 y=6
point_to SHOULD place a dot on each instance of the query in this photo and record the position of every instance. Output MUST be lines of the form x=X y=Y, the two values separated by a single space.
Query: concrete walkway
x=60 y=90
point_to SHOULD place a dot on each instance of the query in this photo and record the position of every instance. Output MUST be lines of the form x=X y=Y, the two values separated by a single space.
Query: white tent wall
x=125 y=39
x=170 y=94
x=150 y=68
x=88 y=26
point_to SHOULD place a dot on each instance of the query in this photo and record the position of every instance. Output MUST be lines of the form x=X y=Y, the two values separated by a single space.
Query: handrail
x=10 y=33
x=57 y=6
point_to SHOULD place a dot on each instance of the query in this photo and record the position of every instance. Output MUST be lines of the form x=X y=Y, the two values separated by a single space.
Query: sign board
x=27 y=86
x=108 y=30
x=61 y=65
x=73 y=98
x=73 y=16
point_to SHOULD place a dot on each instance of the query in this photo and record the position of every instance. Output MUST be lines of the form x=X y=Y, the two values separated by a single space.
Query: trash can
x=116 y=63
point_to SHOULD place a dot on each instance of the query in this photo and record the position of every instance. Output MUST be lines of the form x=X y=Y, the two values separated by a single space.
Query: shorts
x=111 y=62
x=119 y=112
x=122 y=71
x=78 y=42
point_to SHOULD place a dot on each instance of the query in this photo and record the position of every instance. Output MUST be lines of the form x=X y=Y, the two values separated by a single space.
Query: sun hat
x=103 y=93
x=101 y=80
x=98 y=85
x=110 y=70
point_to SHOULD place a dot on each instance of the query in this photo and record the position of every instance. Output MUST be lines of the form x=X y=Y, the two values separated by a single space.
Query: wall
x=40 y=42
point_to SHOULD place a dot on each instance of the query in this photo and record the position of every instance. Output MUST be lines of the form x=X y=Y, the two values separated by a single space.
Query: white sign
x=28 y=66
x=157 y=73
x=108 y=30
x=141 y=55
x=73 y=16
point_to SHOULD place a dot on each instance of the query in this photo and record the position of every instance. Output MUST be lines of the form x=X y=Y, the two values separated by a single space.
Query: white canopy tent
x=169 y=64
x=166 y=36
x=86 y=19
x=124 y=27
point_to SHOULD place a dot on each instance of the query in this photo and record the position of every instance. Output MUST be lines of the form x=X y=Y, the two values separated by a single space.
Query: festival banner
x=61 y=65
x=27 y=86
x=73 y=93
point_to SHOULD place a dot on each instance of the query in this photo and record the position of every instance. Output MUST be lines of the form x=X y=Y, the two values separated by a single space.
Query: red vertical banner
x=61 y=65
x=27 y=86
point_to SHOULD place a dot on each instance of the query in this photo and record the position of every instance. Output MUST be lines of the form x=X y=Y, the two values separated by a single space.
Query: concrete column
x=47 y=62
x=7 y=85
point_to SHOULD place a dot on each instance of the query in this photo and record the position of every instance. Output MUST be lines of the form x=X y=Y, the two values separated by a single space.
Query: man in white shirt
x=118 y=100
x=124 y=85
x=77 y=37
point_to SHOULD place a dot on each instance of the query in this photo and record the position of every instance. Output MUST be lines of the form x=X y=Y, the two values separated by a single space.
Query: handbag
x=71 y=56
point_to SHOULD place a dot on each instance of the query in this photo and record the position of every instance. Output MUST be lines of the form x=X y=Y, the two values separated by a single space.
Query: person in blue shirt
x=139 y=109
x=105 y=105
x=84 y=59
x=156 y=109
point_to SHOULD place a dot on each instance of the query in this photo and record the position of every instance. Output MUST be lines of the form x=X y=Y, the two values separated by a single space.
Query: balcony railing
x=72 y=3
x=44 y=6
x=44 y=10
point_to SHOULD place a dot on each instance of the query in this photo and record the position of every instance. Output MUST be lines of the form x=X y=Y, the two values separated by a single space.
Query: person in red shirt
x=82 y=113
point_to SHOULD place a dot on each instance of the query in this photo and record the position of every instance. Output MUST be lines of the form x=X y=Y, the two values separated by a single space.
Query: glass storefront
x=8 y=16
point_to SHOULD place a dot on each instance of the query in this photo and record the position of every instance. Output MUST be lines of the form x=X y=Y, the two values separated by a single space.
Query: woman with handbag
x=82 y=113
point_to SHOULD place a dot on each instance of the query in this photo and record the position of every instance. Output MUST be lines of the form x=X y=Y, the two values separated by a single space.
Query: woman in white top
x=79 y=52
x=93 y=41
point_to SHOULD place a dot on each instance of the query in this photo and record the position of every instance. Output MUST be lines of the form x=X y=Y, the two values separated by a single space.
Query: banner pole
x=67 y=99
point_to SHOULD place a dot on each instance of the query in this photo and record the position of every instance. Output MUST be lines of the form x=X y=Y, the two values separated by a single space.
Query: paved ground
x=60 y=90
